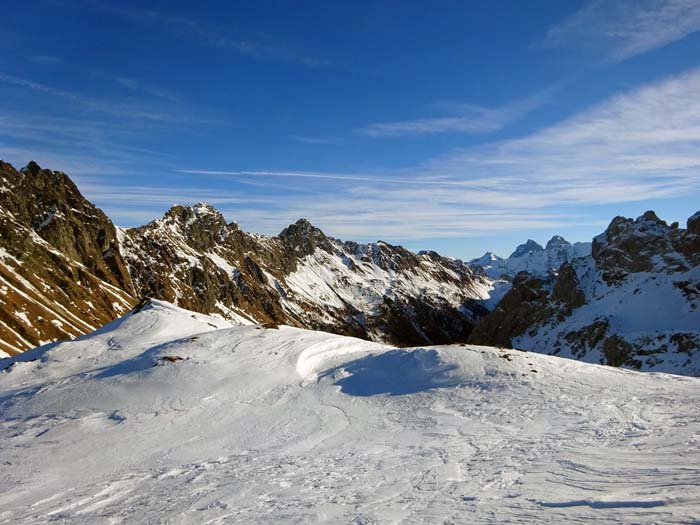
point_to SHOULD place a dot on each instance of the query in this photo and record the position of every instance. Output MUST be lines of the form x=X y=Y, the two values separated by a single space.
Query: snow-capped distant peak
x=529 y=247
x=556 y=242
x=485 y=260
x=532 y=257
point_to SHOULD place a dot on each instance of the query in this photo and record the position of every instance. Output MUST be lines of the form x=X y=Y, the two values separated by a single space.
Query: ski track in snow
x=294 y=426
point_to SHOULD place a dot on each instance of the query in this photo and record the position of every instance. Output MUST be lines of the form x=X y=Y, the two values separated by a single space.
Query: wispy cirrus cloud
x=122 y=109
x=230 y=37
x=462 y=118
x=637 y=146
x=138 y=86
x=46 y=60
x=131 y=84
x=625 y=28
x=345 y=177
x=36 y=86
x=313 y=140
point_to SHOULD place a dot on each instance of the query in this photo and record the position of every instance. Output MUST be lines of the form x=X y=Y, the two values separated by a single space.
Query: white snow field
x=166 y=416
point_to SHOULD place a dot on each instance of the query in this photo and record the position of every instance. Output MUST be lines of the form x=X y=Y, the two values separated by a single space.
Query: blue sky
x=456 y=126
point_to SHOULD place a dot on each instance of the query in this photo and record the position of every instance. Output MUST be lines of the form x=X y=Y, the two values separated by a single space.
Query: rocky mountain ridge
x=65 y=270
x=302 y=277
x=61 y=273
x=635 y=301
x=628 y=298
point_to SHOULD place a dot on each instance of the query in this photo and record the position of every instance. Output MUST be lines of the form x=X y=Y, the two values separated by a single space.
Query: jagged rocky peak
x=201 y=225
x=49 y=203
x=201 y=212
x=557 y=242
x=49 y=186
x=303 y=237
x=486 y=259
x=645 y=244
x=32 y=168
x=529 y=247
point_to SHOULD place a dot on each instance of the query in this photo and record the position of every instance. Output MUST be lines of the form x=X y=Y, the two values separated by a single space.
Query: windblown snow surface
x=166 y=416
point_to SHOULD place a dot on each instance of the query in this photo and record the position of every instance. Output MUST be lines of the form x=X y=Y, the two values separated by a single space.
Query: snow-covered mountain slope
x=301 y=277
x=531 y=257
x=60 y=272
x=167 y=416
x=634 y=302
x=65 y=270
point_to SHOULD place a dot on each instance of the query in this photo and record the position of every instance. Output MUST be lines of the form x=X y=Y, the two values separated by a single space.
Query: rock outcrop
x=61 y=273
x=635 y=301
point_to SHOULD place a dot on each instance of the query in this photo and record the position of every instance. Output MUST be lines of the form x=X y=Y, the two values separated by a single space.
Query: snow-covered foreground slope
x=168 y=416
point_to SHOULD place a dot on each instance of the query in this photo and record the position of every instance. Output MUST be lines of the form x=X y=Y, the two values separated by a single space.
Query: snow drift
x=170 y=416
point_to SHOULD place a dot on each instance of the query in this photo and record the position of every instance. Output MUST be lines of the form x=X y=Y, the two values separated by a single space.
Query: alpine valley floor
x=166 y=416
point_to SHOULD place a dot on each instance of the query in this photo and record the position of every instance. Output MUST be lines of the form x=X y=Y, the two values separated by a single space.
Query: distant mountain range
x=628 y=298
x=532 y=257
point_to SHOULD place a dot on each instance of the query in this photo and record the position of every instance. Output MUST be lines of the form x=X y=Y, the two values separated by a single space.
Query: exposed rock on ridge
x=635 y=301
x=67 y=270
x=61 y=273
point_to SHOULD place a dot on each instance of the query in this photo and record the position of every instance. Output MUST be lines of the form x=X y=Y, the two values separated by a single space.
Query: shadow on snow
x=396 y=372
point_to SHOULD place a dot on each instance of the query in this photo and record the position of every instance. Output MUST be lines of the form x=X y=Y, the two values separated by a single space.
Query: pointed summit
x=529 y=247
x=201 y=225
x=304 y=237
x=204 y=208
x=557 y=242
x=485 y=260
x=31 y=167
x=200 y=212
x=650 y=216
x=301 y=225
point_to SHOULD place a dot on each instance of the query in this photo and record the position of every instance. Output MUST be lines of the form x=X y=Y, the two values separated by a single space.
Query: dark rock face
x=585 y=339
x=642 y=265
x=50 y=204
x=618 y=352
x=524 y=305
x=646 y=244
x=694 y=224
x=567 y=290
x=61 y=272
x=531 y=301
